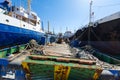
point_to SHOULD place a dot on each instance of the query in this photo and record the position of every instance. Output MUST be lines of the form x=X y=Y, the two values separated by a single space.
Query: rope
x=95 y=35
x=81 y=34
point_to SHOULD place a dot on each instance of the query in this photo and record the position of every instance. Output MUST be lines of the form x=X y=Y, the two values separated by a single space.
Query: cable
x=96 y=35
x=86 y=18
x=110 y=5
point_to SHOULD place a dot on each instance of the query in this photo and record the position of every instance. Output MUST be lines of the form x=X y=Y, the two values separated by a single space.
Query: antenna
x=66 y=28
x=29 y=6
x=90 y=15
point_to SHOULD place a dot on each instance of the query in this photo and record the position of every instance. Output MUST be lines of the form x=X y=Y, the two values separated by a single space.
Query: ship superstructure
x=17 y=25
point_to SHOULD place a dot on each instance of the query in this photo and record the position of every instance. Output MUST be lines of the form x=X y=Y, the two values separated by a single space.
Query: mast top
x=91 y=13
x=29 y=6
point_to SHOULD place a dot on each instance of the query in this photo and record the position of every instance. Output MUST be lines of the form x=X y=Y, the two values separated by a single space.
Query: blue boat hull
x=11 y=35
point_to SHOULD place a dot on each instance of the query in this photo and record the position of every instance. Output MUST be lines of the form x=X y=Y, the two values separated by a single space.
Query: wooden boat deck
x=58 y=50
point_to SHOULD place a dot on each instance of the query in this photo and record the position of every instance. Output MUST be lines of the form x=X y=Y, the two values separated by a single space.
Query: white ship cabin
x=22 y=14
x=19 y=13
x=68 y=34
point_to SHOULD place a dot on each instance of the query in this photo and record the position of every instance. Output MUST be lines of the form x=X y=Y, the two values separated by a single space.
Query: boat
x=67 y=34
x=59 y=68
x=18 y=26
x=103 y=35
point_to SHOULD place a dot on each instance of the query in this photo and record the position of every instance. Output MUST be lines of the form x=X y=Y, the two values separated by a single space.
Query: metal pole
x=90 y=16
x=53 y=31
x=42 y=25
x=48 y=26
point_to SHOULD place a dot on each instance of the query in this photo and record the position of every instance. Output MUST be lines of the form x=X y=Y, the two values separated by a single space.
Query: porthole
x=23 y=25
x=7 y=20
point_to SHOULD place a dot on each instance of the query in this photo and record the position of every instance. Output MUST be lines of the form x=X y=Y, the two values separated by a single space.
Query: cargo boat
x=103 y=35
x=18 y=26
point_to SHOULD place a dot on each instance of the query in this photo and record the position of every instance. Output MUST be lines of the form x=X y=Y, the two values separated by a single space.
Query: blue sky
x=70 y=13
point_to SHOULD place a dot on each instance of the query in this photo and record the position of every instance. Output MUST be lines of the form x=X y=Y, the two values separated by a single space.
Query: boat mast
x=48 y=27
x=53 y=31
x=90 y=15
x=29 y=6
x=90 y=22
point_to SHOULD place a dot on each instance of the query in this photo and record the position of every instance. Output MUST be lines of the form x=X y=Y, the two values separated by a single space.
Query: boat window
x=34 y=28
x=10 y=13
x=17 y=17
x=24 y=19
x=13 y=8
x=33 y=22
x=23 y=25
x=17 y=9
x=7 y=20
x=38 y=22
